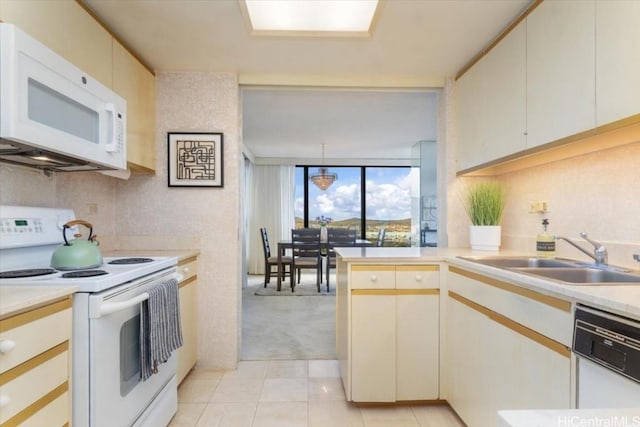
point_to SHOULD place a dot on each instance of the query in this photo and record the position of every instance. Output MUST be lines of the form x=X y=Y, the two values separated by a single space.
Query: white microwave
x=53 y=115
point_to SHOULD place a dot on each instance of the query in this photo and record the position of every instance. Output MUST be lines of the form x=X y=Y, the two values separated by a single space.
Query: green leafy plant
x=485 y=203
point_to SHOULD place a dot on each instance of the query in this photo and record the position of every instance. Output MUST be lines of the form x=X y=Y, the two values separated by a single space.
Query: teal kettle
x=77 y=254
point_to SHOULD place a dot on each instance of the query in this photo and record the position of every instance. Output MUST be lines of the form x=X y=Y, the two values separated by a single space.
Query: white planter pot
x=484 y=237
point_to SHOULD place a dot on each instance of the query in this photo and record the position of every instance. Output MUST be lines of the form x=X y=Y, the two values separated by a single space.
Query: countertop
x=16 y=299
x=180 y=254
x=620 y=299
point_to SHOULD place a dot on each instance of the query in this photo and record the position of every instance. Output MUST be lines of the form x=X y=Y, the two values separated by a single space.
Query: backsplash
x=597 y=193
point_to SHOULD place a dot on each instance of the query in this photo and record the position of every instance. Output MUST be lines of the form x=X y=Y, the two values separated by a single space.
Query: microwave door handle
x=111 y=307
x=111 y=145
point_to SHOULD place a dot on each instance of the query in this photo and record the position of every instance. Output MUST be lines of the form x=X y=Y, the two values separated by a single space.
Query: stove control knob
x=7 y=345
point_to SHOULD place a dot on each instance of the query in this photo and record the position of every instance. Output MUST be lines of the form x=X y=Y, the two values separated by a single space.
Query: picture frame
x=195 y=159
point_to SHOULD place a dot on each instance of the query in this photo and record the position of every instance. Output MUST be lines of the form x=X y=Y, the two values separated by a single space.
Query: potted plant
x=484 y=206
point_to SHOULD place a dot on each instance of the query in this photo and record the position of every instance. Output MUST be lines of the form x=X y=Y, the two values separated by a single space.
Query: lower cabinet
x=34 y=366
x=388 y=332
x=188 y=294
x=495 y=363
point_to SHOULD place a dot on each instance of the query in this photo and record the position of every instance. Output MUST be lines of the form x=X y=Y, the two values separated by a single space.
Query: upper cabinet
x=65 y=27
x=617 y=60
x=560 y=70
x=137 y=85
x=68 y=30
x=558 y=76
x=491 y=103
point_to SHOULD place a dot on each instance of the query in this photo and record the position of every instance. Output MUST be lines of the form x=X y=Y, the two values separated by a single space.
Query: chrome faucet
x=599 y=253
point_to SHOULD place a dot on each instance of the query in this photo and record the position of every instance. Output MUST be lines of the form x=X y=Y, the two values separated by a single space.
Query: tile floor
x=289 y=393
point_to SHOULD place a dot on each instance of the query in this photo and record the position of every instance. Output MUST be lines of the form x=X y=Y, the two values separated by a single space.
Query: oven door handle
x=112 y=307
x=106 y=308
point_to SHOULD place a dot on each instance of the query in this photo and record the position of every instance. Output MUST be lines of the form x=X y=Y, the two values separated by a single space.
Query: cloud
x=384 y=200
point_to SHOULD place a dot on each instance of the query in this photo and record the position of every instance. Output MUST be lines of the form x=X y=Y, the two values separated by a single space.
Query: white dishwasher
x=608 y=351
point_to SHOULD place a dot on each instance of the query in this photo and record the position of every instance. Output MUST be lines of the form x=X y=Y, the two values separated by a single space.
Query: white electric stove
x=108 y=389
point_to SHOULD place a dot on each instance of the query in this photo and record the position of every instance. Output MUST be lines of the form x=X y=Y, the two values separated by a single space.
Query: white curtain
x=271 y=201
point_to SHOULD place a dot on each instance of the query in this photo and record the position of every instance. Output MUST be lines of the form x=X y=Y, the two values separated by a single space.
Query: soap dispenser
x=545 y=244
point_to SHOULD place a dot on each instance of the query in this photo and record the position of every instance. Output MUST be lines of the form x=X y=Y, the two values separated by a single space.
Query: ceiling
x=415 y=45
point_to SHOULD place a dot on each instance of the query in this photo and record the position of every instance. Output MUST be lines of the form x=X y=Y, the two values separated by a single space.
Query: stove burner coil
x=130 y=260
x=83 y=273
x=30 y=272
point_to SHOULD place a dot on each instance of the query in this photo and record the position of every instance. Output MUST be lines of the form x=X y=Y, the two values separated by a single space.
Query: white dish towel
x=160 y=329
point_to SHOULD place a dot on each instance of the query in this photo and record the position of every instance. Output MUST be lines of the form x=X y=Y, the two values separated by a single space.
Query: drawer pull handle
x=418 y=278
x=7 y=345
x=374 y=278
x=185 y=270
x=4 y=400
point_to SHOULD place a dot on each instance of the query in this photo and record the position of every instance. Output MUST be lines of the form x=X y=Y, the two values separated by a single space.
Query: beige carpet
x=300 y=328
x=306 y=287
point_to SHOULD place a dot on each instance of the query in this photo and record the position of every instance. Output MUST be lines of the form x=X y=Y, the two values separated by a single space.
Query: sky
x=388 y=194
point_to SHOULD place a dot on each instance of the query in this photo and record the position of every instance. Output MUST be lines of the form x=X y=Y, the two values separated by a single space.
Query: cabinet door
x=373 y=348
x=187 y=354
x=137 y=85
x=617 y=60
x=560 y=70
x=469 y=151
x=492 y=110
x=66 y=28
x=417 y=343
x=504 y=93
x=466 y=376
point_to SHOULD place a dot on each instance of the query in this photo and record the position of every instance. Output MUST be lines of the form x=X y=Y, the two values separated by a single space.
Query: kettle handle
x=71 y=224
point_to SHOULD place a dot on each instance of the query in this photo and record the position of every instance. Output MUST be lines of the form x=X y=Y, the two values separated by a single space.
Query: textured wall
x=198 y=102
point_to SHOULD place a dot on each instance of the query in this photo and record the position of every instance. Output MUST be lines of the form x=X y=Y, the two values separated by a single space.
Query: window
x=382 y=193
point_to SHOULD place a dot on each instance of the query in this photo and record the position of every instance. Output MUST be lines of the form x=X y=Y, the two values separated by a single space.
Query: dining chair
x=271 y=261
x=337 y=237
x=380 y=238
x=305 y=244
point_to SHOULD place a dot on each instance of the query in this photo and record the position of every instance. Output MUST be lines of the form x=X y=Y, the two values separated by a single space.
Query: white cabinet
x=137 y=85
x=491 y=103
x=617 y=60
x=373 y=350
x=495 y=362
x=188 y=295
x=560 y=70
x=67 y=29
x=34 y=366
x=388 y=331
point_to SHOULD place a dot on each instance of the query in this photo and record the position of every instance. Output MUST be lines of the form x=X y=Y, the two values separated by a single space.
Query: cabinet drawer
x=417 y=276
x=33 y=380
x=547 y=315
x=373 y=277
x=26 y=332
x=188 y=268
x=55 y=413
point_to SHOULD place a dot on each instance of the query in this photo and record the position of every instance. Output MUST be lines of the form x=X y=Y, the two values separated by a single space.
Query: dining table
x=283 y=245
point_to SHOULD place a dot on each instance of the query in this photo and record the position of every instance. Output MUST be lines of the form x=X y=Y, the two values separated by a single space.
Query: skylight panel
x=311 y=16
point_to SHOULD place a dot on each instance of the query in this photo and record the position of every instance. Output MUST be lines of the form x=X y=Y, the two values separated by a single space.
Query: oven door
x=117 y=395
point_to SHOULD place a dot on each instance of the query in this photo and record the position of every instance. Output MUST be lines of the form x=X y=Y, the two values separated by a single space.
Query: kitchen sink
x=522 y=262
x=561 y=270
x=582 y=275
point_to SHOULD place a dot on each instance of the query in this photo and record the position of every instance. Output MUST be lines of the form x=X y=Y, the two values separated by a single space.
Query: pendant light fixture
x=323 y=179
